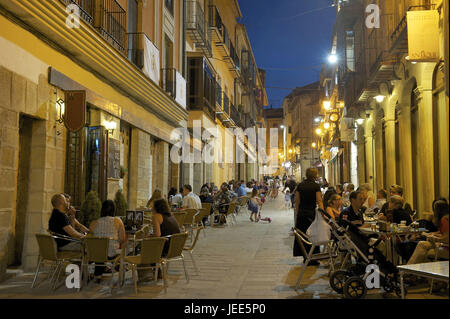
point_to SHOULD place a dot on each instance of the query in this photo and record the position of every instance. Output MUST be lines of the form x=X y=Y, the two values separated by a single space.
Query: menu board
x=113 y=158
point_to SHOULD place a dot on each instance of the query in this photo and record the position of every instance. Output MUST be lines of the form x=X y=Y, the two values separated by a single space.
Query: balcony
x=195 y=27
x=218 y=96
x=112 y=22
x=399 y=38
x=215 y=24
x=87 y=9
x=235 y=115
x=169 y=81
x=234 y=61
x=201 y=89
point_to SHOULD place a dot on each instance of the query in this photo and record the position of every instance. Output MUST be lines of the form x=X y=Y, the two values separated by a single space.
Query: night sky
x=290 y=40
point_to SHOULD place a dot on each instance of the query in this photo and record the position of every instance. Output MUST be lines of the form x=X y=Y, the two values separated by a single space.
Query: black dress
x=306 y=211
x=169 y=226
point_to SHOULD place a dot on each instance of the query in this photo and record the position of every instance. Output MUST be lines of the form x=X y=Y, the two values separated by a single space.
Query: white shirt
x=176 y=199
x=191 y=200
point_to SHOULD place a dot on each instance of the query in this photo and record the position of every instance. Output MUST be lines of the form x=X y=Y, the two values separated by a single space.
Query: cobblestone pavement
x=245 y=260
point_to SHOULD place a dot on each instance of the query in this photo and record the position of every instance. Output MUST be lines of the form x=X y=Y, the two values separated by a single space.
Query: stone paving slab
x=246 y=260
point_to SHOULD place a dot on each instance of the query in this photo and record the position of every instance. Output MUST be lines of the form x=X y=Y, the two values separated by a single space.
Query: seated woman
x=155 y=196
x=108 y=226
x=334 y=206
x=396 y=213
x=223 y=199
x=425 y=248
x=164 y=223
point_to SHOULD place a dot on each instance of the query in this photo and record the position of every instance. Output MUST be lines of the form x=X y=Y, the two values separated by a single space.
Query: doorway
x=23 y=177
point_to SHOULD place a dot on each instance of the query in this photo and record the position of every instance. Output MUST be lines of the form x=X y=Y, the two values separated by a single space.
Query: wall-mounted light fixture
x=110 y=126
x=327 y=105
x=60 y=109
x=359 y=121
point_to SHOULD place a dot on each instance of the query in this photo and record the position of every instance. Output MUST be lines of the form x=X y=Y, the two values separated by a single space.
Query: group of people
x=70 y=232
x=346 y=203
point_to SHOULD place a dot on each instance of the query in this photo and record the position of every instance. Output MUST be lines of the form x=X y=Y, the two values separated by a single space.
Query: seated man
x=59 y=223
x=352 y=213
x=72 y=218
x=395 y=212
x=396 y=190
x=190 y=200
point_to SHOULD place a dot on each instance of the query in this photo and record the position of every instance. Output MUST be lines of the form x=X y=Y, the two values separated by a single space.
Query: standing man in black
x=291 y=184
x=307 y=197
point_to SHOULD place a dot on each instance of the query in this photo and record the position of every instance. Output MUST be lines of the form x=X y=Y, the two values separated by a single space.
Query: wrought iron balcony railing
x=169 y=81
x=226 y=104
x=111 y=24
x=218 y=95
x=87 y=9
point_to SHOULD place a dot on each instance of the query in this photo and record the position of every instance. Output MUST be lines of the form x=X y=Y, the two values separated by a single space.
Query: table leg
x=401 y=285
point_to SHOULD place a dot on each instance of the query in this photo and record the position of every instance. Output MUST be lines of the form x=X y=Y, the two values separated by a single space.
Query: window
x=169 y=5
x=350 y=50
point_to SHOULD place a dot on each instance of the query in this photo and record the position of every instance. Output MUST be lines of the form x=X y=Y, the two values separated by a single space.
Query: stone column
x=369 y=158
x=198 y=177
x=188 y=173
x=390 y=152
x=140 y=169
x=161 y=173
x=425 y=187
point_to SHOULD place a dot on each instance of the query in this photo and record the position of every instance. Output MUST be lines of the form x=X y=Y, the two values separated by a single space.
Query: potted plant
x=90 y=210
x=123 y=171
x=121 y=203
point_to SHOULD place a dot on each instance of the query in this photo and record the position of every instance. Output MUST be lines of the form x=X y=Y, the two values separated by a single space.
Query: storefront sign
x=180 y=96
x=151 y=60
x=423 y=35
x=74 y=110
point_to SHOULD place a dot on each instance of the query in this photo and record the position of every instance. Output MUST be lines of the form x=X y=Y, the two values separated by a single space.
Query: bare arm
x=122 y=234
x=72 y=232
x=80 y=226
x=156 y=220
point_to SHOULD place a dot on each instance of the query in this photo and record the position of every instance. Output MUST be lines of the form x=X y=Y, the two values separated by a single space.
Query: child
x=287 y=199
x=253 y=205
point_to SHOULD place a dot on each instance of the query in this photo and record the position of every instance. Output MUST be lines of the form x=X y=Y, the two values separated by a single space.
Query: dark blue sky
x=290 y=40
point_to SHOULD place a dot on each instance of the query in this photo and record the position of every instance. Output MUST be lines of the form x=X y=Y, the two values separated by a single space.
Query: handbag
x=319 y=231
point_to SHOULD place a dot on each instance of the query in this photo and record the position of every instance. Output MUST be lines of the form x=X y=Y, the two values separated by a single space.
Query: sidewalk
x=247 y=260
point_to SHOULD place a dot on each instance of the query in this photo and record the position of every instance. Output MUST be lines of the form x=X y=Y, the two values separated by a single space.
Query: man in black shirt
x=291 y=184
x=59 y=223
x=352 y=213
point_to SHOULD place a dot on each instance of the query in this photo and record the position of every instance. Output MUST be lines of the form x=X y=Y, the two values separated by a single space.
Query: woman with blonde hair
x=155 y=196
x=366 y=189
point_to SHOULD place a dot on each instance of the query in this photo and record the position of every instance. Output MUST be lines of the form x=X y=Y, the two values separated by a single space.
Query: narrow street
x=244 y=261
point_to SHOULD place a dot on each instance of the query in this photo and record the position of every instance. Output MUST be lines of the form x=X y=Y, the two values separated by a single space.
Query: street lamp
x=359 y=121
x=380 y=98
x=327 y=105
x=318 y=131
x=332 y=58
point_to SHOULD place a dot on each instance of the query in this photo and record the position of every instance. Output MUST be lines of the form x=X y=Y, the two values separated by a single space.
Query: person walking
x=307 y=197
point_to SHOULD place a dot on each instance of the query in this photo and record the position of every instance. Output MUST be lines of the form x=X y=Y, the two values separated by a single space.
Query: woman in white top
x=111 y=227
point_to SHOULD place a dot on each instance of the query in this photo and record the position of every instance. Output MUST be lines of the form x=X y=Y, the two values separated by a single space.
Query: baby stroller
x=350 y=280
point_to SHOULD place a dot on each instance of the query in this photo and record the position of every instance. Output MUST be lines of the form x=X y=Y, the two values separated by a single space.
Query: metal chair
x=175 y=252
x=302 y=239
x=230 y=213
x=188 y=223
x=48 y=252
x=97 y=254
x=190 y=249
x=150 y=255
x=243 y=202
x=180 y=217
x=198 y=219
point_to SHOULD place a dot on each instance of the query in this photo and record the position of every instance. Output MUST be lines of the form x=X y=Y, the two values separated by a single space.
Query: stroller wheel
x=355 y=288
x=337 y=280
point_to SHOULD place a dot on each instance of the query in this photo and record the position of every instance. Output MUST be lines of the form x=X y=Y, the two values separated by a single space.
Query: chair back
x=243 y=201
x=202 y=213
x=231 y=208
x=177 y=242
x=47 y=246
x=197 y=235
x=152 y=249
x=189 y=218
x=180 y=218
x=96 y=249
x=140 y=234
x=207 y=206
x=146 y=230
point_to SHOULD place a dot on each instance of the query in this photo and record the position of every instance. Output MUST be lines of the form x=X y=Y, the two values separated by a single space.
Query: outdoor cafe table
x=435 y=270
x=391 y=239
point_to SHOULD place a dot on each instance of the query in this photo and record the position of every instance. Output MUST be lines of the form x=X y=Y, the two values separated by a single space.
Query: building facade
x=391 y=100
x=301 y=110
x=91 y=93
